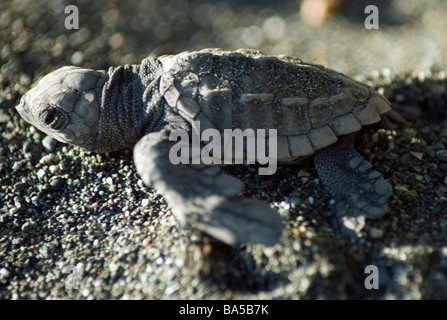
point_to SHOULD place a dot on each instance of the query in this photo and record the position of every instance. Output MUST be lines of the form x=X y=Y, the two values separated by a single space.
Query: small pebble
x=406 y=158
x=303 y=173
x=27 y=146
x=146 y=242
x=442 y=155
x=417 y=155
x=49 y=143
x=311 y=200
x=47 y=159
x=19 y=186
x=57 y=183
x=54 y=169
x=145 y=202
x=376 y=233
x=285 y=205
x=29 y=225
x=41 y=173
x=4 y=118
x=4 y=273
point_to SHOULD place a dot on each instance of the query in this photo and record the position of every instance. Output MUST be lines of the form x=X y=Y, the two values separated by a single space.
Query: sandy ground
x=80 y=225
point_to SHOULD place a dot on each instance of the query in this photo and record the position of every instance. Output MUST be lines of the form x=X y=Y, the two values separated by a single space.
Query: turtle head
x=65 y=104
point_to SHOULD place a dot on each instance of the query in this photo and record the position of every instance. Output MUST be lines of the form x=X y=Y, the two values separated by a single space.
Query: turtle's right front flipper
x=205 y=197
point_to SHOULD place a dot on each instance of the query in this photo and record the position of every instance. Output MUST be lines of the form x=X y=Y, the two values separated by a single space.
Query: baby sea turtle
x=314 y=110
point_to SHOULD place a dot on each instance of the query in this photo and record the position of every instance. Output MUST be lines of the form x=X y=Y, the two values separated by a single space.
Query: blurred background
x=34 y=41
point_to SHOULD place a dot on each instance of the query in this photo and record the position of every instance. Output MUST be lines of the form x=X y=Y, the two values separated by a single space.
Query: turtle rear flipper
x=359 y=191
x=204 y=197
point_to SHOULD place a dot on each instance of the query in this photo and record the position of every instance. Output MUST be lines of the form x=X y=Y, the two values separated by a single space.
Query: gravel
x=80 y=225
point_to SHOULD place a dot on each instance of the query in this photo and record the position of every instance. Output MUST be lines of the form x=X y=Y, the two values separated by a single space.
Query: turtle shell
x=309 y=105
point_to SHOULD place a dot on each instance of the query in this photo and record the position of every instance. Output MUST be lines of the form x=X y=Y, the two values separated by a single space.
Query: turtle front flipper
x=359 y=191
x=204 y=197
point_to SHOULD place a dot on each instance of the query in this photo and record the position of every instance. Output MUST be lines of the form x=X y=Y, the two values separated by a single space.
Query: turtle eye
x=52 y=117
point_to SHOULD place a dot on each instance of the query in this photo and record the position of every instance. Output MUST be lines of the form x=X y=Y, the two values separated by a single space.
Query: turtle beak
x=21 y=108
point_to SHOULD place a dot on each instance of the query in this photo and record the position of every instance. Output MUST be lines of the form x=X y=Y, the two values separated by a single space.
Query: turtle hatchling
x=313 y=111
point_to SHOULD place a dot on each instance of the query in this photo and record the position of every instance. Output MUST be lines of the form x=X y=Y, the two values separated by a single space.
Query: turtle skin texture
x=313 y=112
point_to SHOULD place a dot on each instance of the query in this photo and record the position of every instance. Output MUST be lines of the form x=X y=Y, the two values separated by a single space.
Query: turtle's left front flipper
x=205 y=197
x=359 y=191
